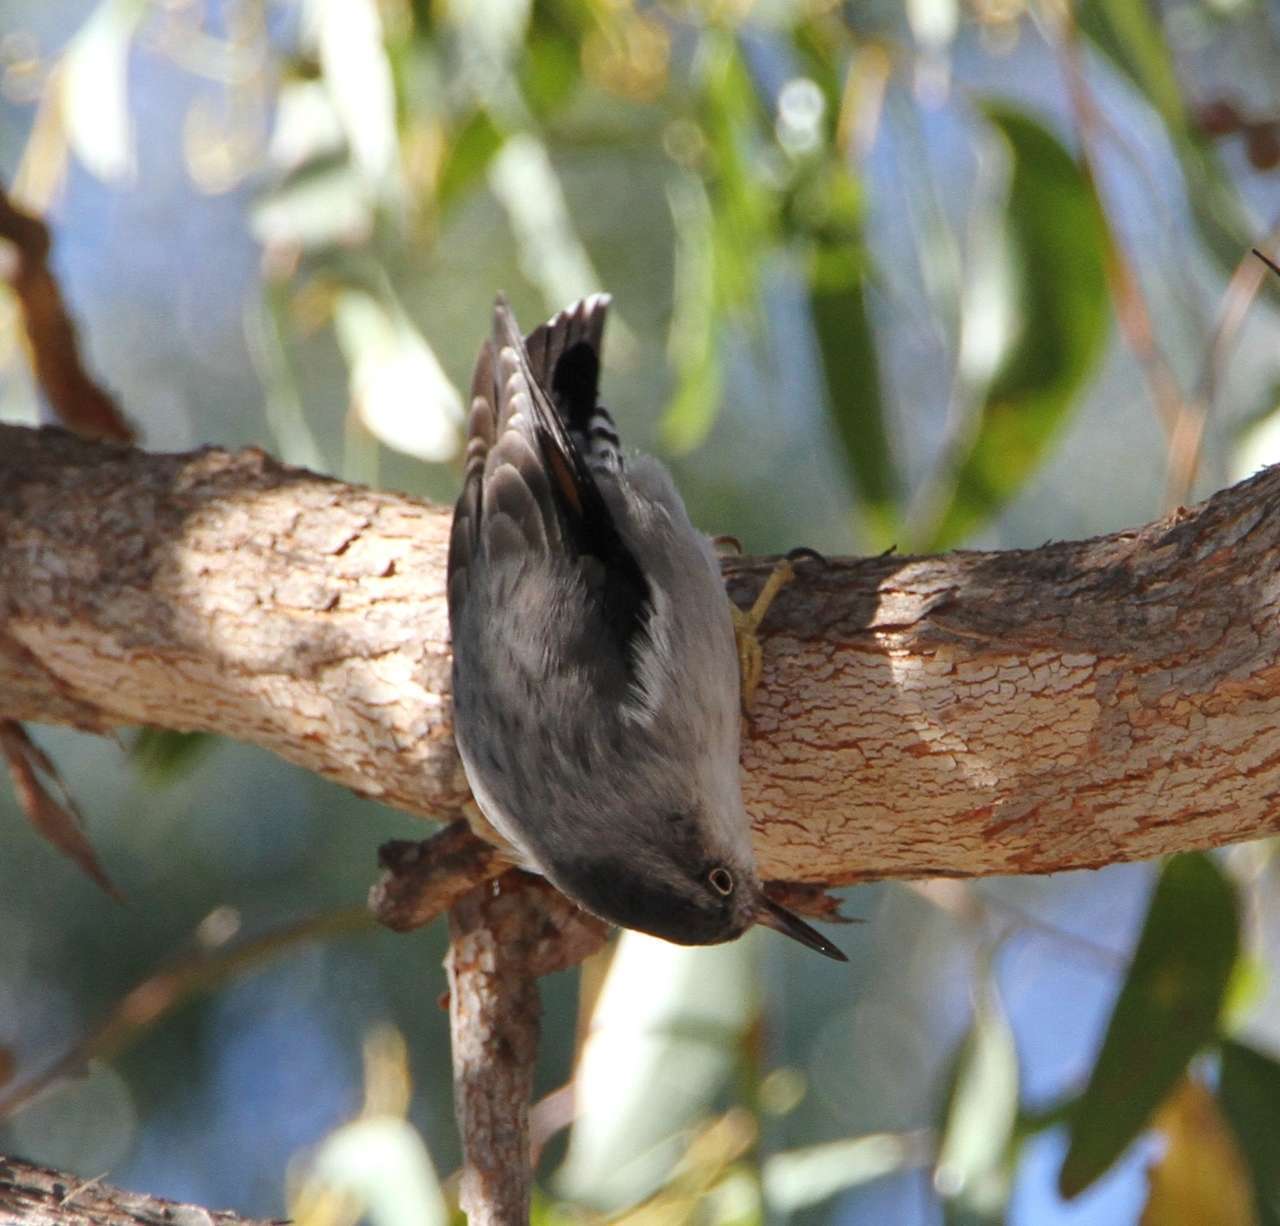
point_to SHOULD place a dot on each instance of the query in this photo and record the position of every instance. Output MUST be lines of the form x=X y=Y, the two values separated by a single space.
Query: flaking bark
x=1024 y=711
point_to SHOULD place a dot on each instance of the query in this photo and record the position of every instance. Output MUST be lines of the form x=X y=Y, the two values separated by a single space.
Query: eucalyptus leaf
x=798 y=1178
x=1129 y=35
x=972 y=1168
x=551 y=66
x=693 y=341
x=551 y=252
x=93 y=77
x=665 y=1035
x=851 y=367
x=1057 y=242
x=164 y=755
x=382 y=1164
x=1168 y=1009
x=357 y=72
x=725 y=224
x=470 y=150
x=1249 y=1087
x=398 y=387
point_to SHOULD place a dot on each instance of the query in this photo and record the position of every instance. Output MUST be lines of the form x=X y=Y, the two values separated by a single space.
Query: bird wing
x=564 y=358
x=528 y=486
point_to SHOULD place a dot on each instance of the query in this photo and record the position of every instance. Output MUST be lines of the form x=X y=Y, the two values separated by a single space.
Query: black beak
x=781 y=920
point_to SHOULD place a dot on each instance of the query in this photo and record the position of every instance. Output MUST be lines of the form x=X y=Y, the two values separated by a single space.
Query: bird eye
x=721 y=880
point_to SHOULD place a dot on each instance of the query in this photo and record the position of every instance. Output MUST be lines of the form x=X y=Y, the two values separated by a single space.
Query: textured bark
x=503 y=935
x=976 y=713
x=421 y=880
x=33 y=1195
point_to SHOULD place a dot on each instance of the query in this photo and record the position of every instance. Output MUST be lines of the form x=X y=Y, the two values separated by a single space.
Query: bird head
x=686 y=899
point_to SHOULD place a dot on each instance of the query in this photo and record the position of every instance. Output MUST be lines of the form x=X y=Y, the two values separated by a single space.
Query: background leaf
x=972 y=1168
x=1057 y=243
x=851 y=368
x=1200 y=1179
x=95 y=89
x=666 y=1032
x=1167 y=1011
x=1250 y=1091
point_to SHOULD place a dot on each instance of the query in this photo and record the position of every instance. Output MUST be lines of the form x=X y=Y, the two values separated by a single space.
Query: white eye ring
x=721 y=880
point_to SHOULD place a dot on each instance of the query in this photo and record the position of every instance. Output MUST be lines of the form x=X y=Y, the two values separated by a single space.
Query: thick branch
x=975 y=713
x=33 y=1195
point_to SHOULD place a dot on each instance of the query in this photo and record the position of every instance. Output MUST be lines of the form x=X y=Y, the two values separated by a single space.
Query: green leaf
x=1249 y=1088
x=972 y=1169
x=163 y=755
x=744 y=222
x=799 y=1178
x=470 y=150
x=1167 y=1010
x=551 y=66
x=693 y=341
x=1058 y=249
x=726 y=226
x=850 y=363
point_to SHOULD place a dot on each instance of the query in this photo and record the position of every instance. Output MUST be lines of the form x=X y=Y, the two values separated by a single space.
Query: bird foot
x=746 y=623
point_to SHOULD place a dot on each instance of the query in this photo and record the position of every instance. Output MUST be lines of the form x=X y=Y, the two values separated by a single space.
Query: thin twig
x=200 y=970
x=1184 y=418
x=1187 y=445
x=1132 y=312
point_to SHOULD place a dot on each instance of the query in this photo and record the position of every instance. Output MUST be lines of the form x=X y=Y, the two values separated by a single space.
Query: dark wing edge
x=482 y=432
x=564 y=359
x=588 y=529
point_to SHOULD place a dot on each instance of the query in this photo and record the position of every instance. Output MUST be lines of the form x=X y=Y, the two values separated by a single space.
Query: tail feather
x=564 y=357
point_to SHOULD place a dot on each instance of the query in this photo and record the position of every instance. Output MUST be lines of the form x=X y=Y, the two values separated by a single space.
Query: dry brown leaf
x=79 y=403
x=1201 y=1179
x=55 y=819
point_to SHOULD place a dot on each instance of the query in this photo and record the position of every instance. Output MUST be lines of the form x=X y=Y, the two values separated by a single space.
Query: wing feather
x=588 y=532
x=529 y=487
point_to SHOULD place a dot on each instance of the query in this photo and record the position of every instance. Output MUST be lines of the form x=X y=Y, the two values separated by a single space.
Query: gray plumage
x=595 y=676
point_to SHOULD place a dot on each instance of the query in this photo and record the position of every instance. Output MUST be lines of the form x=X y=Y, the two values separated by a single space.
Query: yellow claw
x=746 y=623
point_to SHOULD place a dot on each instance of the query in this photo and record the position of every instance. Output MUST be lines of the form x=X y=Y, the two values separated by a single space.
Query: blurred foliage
x=715 y=166
x=1167 y=1011
x=1250 y=1093
x=1057 y=287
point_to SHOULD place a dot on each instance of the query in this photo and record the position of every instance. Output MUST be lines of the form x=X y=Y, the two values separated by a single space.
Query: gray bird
x=595 y=674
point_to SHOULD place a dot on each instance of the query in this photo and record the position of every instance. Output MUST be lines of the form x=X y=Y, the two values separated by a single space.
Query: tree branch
x=1026 y=711
x=33 y=1195
x=503 y=935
